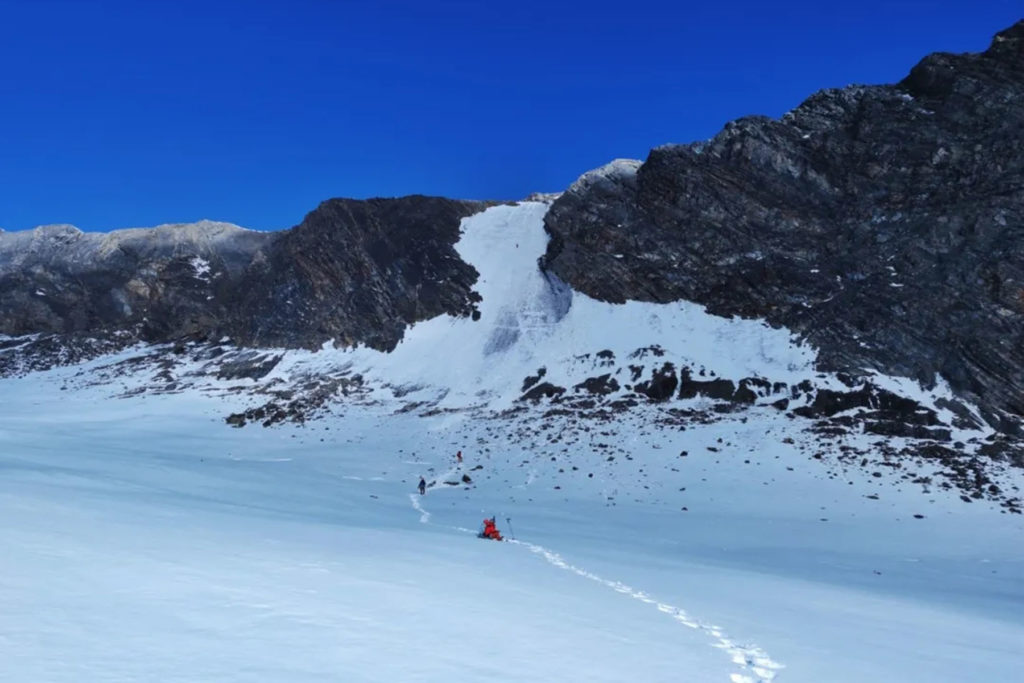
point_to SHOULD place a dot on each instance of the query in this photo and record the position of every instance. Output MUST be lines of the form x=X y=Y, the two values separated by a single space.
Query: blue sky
x=117 y=114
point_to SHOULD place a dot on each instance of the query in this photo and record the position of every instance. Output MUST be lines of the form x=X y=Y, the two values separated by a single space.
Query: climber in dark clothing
x=423 y=486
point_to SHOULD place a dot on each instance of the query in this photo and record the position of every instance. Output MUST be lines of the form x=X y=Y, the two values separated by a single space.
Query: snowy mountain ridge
x=54 y=241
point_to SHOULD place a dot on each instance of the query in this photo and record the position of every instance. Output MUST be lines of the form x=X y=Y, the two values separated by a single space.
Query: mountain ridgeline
x=353 y=271
x=883 y=224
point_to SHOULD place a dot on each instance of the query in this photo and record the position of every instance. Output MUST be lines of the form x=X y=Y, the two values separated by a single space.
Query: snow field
x=146 y=540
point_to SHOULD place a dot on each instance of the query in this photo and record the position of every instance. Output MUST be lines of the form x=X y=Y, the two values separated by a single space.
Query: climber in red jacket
x=490 y=530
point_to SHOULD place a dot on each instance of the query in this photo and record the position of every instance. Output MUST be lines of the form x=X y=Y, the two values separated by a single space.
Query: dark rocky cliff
x=354 y=271
x=885 y=224
x=358 y=272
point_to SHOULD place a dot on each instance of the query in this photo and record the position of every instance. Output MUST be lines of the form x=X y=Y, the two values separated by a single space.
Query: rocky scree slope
x=609 y=402
x=884 y=224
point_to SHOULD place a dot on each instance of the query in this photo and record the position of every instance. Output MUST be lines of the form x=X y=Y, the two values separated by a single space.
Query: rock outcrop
x=884 y=224
x=358 y=272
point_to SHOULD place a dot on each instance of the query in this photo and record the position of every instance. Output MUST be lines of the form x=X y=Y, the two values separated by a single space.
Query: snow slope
x=146 y=540
x=178 y=550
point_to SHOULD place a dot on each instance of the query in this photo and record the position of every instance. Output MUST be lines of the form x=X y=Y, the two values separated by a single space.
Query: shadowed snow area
x=146 y=540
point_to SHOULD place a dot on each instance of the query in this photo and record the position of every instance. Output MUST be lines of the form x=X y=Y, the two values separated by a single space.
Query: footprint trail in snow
x=756 y=666
x=424 y=515
x=414 y=498
x=752 y=659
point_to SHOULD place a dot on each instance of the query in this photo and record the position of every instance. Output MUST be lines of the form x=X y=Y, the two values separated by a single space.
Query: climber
x=458 y=457
x=490 y=530
x=423 y=486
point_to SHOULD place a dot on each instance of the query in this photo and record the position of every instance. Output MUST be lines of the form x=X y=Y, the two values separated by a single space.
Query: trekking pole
x=510 y=531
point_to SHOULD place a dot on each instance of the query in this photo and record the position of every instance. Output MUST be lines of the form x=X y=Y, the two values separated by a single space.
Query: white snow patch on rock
x=615 y=170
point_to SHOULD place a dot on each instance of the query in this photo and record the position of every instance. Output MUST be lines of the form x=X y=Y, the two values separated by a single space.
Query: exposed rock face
x=543 y=390
x=662 y=384
x=354 y=271
x=883 y=223
x=602 y=385
x=361 y=272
